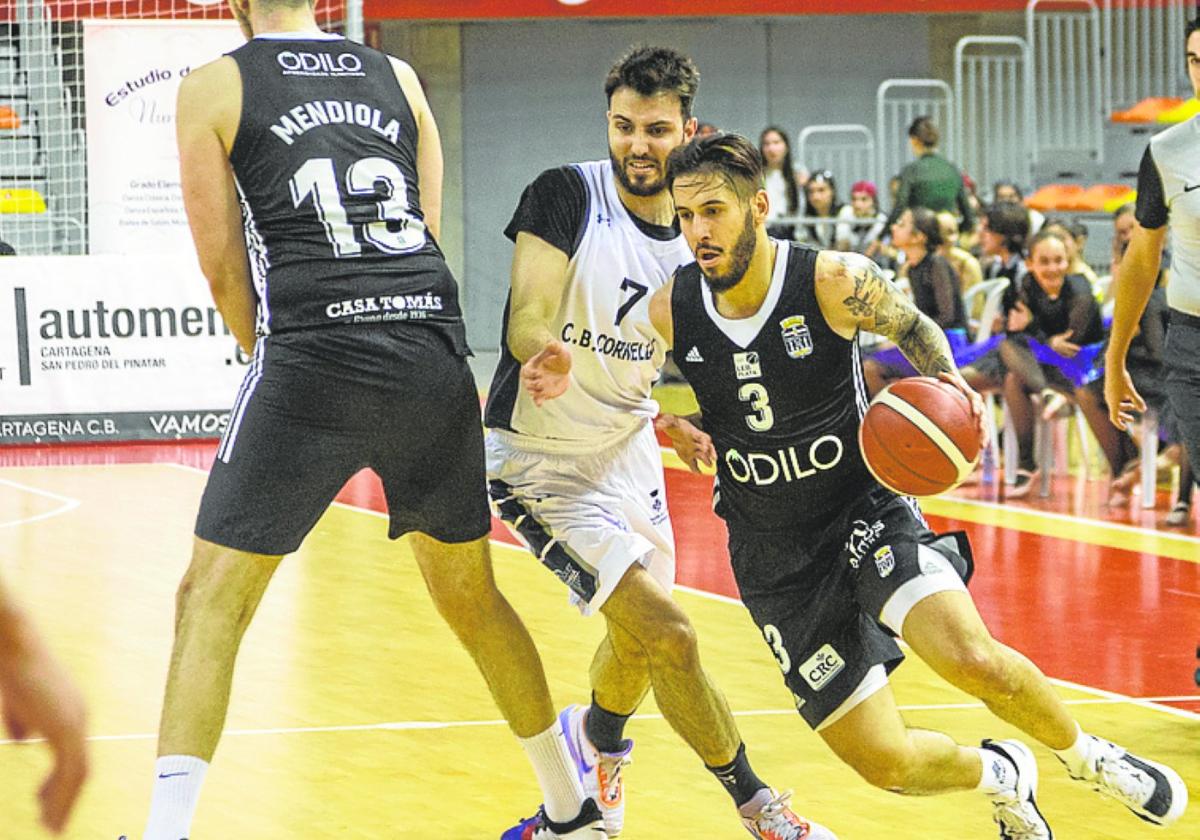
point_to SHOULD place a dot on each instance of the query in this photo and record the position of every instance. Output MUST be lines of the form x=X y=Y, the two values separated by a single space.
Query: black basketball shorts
x=1183 y=380
x=829 y=604
x=316 y=407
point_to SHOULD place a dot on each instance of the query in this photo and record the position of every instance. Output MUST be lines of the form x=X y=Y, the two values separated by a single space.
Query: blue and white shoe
x=589 y=825
x=1015 y=810
x=599 y=772
x=1152 y=791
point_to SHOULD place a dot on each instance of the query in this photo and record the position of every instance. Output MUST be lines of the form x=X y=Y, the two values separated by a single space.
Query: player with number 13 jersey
x=326 y=166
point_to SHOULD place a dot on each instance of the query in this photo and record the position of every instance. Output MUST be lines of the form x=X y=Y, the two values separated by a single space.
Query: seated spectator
x=1050 y=317
x=1003 y=232
x=1009 y=191
x=706 y=129
x=863 y=238
x=1123 y=224
x=783 y=180
x=963 y=261
x=930 y=181
x=1079 y=230
x=1077 y=265
x=935 y=290
x=821 y=201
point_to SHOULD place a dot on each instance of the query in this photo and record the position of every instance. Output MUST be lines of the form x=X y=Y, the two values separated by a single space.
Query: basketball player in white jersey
x=314 y=199
x=826 y=559
x=573 y=463
x=1168 y=198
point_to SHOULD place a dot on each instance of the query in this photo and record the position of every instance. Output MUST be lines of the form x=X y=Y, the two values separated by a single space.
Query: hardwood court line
x=68 y=504
x=1044 y=523
x=424 y=725
x=1148 y=703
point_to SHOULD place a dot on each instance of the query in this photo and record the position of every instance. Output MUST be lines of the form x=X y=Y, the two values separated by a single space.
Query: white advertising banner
x=112 y=348
x=132 y=71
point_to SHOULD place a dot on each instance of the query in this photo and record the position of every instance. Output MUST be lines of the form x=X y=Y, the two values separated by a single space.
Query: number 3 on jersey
x=755 y=394
x=396 y=231
x=775 y=640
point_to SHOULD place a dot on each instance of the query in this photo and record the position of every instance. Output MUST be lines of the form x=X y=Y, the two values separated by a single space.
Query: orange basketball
x=918 y=438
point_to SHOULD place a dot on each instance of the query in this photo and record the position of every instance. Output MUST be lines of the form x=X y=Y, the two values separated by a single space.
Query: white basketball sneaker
x=600 y=772
x=776 y=821
x=1152 y=791
x=1016 y=810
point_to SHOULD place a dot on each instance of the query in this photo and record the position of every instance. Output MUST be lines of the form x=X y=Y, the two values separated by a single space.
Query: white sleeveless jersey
x=1176 y=153
x=604 y=319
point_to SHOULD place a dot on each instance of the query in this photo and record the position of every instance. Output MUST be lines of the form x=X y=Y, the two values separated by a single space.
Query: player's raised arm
x=207 y=115
x=430 y=162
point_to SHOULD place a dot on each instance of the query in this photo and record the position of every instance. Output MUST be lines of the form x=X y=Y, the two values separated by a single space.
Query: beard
x=643 y=189
x=739 y=259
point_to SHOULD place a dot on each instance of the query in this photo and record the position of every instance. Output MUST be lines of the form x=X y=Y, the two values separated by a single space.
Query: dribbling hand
x=692 y=445
x=547 y=375
x=978 y=407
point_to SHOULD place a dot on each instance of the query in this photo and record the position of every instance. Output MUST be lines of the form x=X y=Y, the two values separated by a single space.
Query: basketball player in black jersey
x=826 y=559
x=321 y=158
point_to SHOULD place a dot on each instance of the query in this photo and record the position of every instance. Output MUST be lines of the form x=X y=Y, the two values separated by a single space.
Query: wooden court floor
x=355 y=713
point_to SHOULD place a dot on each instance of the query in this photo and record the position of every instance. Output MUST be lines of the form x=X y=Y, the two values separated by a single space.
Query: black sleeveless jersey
x=326 y=165
x=782 y=396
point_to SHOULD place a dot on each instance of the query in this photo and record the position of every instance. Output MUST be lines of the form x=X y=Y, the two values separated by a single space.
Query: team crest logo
x=797 y=340
x=885 y=561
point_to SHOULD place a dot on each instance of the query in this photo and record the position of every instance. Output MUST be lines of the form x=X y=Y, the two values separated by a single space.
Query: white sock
x=1076 y=756
x=999 y=774
x=177 y=781
x=561 y=788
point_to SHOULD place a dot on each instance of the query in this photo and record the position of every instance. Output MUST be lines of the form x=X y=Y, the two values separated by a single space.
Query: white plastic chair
x=992 y=293
x=1149 y=457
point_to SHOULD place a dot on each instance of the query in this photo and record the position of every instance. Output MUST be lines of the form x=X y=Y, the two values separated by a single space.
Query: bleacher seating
x=1148 y=110
x=1098 y=198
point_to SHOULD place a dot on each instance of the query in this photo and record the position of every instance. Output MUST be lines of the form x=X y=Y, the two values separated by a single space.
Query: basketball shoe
x=1154 y=792
x=599 y=772
x=776 y=821
x=1015 y=810
x=589 y=825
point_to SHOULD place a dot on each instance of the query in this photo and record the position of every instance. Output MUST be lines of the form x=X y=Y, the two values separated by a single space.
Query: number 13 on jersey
x=395 y=230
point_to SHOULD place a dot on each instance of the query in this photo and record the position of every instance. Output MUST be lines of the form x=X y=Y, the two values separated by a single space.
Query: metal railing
x=1143 y=50
x=846 y=150
x=995 y=111
x=1067 y=75
x=897 y=103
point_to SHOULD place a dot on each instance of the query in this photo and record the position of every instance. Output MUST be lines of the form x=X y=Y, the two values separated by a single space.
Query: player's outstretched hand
x=40 y=699
x=692 y=445
x=1122 y=398
x=978 y=407
x=547 y=375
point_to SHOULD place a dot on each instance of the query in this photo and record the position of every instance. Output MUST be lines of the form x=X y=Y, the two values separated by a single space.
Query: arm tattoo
x=887 y=311
x=924 y=344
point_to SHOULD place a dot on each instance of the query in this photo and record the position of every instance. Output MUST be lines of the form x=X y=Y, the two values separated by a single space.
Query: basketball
x=918 y=437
